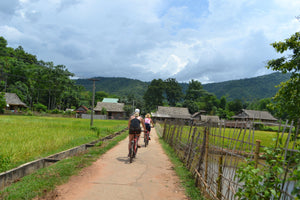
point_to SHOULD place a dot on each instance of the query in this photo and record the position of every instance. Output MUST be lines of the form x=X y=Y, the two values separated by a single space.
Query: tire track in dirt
x=149 y=176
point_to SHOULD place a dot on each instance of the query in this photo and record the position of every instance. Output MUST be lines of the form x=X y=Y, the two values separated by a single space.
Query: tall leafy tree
x=173 y=90
x=195 y=91
x=287 y=99
x=235 y=106
x=2 y=102
x=153 y=96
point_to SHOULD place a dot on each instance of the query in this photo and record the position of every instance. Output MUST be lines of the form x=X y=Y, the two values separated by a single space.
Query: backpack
x=135 y=125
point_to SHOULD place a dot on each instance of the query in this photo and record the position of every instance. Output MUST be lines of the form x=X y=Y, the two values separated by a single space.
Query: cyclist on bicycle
x=134 y=126
x=148 y=122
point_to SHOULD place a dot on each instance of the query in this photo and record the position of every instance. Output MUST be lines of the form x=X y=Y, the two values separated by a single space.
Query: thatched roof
x=110 y=107
x=172 y=112
x=12 y=99
x=255 y=115
x=212 y=118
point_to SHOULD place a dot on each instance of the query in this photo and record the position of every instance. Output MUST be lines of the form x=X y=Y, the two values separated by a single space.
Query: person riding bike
x=148 y=122
x=134 y=126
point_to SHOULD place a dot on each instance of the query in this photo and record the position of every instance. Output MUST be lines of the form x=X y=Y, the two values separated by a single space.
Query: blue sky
x=205 y=40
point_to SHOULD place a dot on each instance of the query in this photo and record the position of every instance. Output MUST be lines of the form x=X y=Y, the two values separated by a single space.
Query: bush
x=55 y=111
x=40 y=107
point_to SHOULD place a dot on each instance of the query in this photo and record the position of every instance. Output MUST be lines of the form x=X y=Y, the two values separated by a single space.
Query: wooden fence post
x=190 y=147
x=206 y=152
x=256 y=155
x=165 y=129
x=219 y=180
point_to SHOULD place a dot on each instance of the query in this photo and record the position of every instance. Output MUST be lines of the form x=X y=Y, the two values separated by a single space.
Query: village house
x=114 y=110
x=81 y=109
x=255 y=115
x=171 y=113
x=13 y=102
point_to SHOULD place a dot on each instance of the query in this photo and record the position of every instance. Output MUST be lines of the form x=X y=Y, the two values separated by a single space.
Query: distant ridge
x=247 y=89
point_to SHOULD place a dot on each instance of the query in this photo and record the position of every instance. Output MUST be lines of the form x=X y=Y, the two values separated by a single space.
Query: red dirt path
x=150 y=176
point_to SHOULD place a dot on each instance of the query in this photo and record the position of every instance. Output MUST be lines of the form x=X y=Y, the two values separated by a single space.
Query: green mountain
x=248 y=89
x=245 y=89
x=116 y=86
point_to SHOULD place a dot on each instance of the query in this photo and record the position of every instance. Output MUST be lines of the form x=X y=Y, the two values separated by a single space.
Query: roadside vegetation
x=42 y=182
x=186 y=177
x=26 y=138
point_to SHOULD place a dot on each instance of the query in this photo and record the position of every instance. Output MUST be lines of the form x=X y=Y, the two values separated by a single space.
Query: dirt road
x=150 y=176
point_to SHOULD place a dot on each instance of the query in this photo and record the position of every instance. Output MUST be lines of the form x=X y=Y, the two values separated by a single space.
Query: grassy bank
x=186 y=177
x=43 y=182
x=26 y=138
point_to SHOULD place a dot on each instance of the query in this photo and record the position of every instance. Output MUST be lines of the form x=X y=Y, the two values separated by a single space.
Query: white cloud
x=211 y=41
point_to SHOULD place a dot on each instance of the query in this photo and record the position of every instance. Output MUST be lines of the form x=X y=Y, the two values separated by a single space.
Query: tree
x=223 y=102
x=100 y=95
x=2 y=102
x=173 y=91
x=287 y=99
x=153 y=96
x=235 y=106
x=195 y=91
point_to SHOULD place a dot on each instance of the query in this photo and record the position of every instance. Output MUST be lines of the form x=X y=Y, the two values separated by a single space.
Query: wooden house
x=13 y=102
x=255 y=115
x=114 y=110
x=171 y=113
x=81 y=109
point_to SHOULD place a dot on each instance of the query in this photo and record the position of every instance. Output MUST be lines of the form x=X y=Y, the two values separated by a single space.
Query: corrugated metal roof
x=110 y=100
x=110 y=107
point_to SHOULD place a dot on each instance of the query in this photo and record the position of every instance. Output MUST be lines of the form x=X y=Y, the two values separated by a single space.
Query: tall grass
x=25 y=138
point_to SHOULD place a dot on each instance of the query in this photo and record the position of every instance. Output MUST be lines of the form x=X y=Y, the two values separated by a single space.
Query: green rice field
x=26 y=138
x=226 y=137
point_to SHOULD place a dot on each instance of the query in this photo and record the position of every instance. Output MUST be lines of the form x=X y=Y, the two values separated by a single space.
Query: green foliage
x=287 y=99
x=153 y=96
x=36 y=81
x=248 y=89
x=116 y=86
x=103 y=111
x=235 y=106
x=55 y=111
x=173 y=91
x=262 y=183
x=2 y=102
x=39 y=107
x=251 y=179
x=266 y=182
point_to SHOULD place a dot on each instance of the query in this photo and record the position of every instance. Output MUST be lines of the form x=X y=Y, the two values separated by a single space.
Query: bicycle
x=133 y=148
x=146 y=138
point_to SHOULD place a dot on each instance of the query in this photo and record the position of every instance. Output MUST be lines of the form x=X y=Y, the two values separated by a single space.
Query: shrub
x=39 y=107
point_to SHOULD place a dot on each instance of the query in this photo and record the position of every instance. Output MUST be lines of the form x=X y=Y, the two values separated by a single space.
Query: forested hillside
x=116 y=86
x=244 y=89
x=248 y=89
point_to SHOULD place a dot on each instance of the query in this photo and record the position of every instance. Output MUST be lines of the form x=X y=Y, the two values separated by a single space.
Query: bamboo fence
x=213 y=153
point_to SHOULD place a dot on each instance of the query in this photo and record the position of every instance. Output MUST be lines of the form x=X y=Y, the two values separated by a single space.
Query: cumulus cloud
x=211 y=41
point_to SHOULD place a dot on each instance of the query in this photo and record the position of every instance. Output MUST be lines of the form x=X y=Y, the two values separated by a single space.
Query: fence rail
x=213 y=153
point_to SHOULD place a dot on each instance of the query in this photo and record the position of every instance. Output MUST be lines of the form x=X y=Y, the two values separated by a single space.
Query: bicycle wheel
x=131 y=152
x=145 y=140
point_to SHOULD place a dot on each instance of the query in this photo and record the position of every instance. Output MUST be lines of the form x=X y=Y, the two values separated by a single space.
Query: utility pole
x=93 y=100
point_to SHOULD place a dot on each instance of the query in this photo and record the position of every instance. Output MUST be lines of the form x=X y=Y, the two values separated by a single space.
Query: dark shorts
x=134 y=132
x=148 y=127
